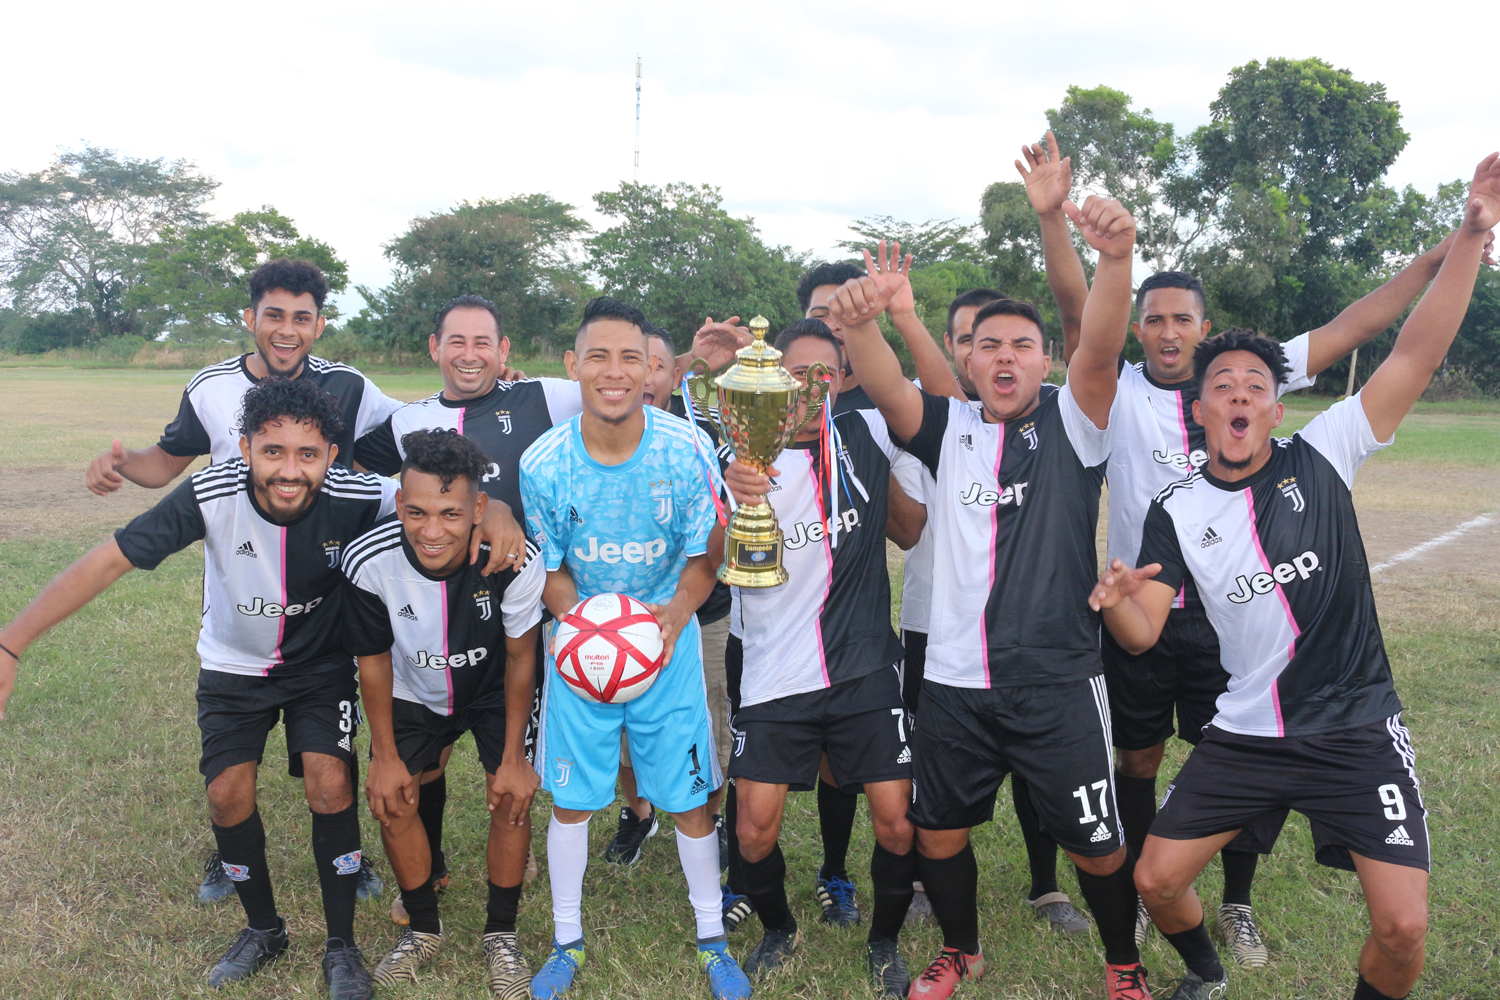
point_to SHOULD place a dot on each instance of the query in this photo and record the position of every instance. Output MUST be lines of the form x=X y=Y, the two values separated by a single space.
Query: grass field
x=103 y=823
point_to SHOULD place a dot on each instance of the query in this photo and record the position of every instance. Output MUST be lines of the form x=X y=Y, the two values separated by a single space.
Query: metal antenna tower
x=637 y=119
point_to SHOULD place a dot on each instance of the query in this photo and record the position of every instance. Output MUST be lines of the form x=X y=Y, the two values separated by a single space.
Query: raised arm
x=1429 y=331
x=856 y=305
x=1093 y=371
x=150 y=467
x=715 y=343
x=1049 y=177
x=931 y=363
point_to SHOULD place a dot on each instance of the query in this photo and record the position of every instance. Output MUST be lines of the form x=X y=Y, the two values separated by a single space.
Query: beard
x=1235 y=466
x=284 y=515
x=269 y=361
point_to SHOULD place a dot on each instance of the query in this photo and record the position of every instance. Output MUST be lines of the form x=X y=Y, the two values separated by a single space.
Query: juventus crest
x=1293 y=492
x=484 y=604
x=504 y=417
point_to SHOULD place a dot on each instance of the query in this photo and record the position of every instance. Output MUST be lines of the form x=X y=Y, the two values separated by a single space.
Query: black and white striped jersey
x=831 y=621
x=1013 y=517
x=916 y=577
x=1282 y=573
x=1157 y=442
x=503 y=422
x=446 y=635
x=208 y=419
x=272 y=593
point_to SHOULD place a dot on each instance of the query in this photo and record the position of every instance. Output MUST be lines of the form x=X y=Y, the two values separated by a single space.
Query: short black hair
x=468 y=302
x=814 y=328
x=296 y=399
x=444 y=453
x=605 y=307
x=1171 y=279
x=652 y=330
x=825 y=274
x=1007 y=306
x=1239 y=339
x=972 y=297
x=296 y=276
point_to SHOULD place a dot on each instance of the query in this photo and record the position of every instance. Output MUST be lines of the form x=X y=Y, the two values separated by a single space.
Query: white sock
x=700 y=863
x=567 y=857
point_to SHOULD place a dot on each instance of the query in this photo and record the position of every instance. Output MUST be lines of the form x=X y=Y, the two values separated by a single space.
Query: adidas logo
x=345 y=745
x=1100 y=835
x=573 y=515
x=1210 y=537
x=905 y=756
x=407 y=613
x=246 y=550
x=1401 y=837
x=698 y=785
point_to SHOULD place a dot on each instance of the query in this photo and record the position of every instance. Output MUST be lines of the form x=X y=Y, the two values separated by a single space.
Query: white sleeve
x=374 y=407
x=1342 y=434
x=913 y=478
x=882 y=434
x=522 y=604
x=388 y=489
x=564 y=398
x=1296 y=359
x=1091 y=444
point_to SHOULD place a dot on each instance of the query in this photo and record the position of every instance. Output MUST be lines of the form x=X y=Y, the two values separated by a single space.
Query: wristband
x=12 y=654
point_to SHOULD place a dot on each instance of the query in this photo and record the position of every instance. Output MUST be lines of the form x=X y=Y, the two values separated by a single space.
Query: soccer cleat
x=941 y=978
x=531 y=870
x=1143 y=923
x=887 y=968
x=836 y=896
x=726 y=980
x=439 y=883
x=369 y=885
x=1237 y=924
x=736 y=908
x=1060 y=913
x=412 y=949
x=723 y=832
x=251 y=950
x=920 y=908
x=345 y=973
x=630 y=837
x=772 y=952
x=555 y=977
x=1192 y=987
x=509 y=975
x=216 y=883
x=1126 y=982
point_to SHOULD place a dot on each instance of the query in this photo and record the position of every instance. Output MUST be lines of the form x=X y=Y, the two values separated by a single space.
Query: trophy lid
x=759 y=366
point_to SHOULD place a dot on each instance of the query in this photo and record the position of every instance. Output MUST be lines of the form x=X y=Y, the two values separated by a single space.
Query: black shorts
x=422 y=734
x=912 y=668
x=1181 y=671
x=860 y=724
x=1358 y=788
x=320 y=711
x=1055 y=736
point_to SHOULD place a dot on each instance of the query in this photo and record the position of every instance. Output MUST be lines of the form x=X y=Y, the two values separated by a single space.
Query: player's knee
x=1140 y=763
x=328 y=790
x=1100 y=866
x=895 y=833
x=757 y=835
x=1156 y=885
x=1403 y=935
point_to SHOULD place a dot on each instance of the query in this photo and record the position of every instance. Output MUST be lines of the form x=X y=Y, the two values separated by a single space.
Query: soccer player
x=273 y=523
x=1013 y=673
x=820 y=664
x=1266 y=529
x=620 y=499
x=444 y=649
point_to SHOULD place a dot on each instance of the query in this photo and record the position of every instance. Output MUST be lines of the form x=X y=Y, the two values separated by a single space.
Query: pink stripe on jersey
x=1180 y=601
x=447 y=671
x=461 y=411
x=984 y=640
x=1291 y=649
x=817 y=486
x=280 y=622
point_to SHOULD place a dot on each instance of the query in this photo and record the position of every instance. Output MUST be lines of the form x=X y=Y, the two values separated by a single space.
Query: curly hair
x=1239 y=339
x=300 y=277
x=296 y=399
x=446 y=454
x=825 y=274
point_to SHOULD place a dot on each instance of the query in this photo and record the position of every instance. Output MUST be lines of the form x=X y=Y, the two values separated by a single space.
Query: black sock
x=1364 y=991
x=335 y=843
x=1041 y=850
x=1198 y=953
x=1136 y=798
x=735 y=877
x=952 y=886
x=891 y=877
x=432 y=799
x=421 y=908
x=500 y=914
x=242 y=851
x=765 y=884
x=1239 y=872
x=1112 y=901
x=836 y=823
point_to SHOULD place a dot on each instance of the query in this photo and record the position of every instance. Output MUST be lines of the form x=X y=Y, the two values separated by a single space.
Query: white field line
x=1433 y=543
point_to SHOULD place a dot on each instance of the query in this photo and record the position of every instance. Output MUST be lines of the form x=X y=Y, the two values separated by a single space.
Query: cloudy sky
x=355 y=118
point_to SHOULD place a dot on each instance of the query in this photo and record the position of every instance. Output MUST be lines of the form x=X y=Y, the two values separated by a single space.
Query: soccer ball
x=608 y=648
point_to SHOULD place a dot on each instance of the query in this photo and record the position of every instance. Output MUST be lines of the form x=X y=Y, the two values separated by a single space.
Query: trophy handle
x=699 y=385
x=816 y=393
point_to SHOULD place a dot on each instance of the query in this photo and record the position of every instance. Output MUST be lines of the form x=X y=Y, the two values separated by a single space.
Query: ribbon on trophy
x=710 y=469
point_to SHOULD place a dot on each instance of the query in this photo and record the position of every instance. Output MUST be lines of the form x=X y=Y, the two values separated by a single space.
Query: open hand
x=859 y=301
x=509 y=374
x=892 y=273
x=507 y=540
x=1106 y=224
x=716 y=343
x=390 y=789
x=673 y=620
x=1048 y=175
x=1483 y=209
x=1118 y=582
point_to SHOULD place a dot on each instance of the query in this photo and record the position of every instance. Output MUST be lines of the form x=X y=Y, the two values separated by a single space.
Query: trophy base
x=752 y=549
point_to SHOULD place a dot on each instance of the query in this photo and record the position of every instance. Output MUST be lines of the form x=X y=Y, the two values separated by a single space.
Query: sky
x=355 y=118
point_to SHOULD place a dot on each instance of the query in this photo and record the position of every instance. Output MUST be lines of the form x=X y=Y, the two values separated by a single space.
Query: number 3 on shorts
x=346 y=717
x=1395 y=805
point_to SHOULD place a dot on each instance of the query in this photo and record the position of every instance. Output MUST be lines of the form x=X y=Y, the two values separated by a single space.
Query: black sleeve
x=171 y=526
x=377 y=452
x=185 y=436
x=367 y=625
x=927 y=443
x=1159 y=545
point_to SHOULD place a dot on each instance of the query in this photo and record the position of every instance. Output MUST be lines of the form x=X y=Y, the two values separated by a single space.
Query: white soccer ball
x=608 y=648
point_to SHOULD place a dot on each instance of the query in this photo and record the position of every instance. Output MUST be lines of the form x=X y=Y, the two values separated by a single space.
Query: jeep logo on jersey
x=977 y=494
x=1179 y=461
x=436 y=661
x=491 y=471
x=631 y=552
x=277 y=610
x=1263 y=583
x=1028 y=431
x=1293 y=492
x=803 y=532
x=504 y=417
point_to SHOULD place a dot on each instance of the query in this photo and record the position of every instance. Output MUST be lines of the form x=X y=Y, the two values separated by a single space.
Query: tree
x=932 y=242
x=677 y=254
x=77 y=233
x=1012 y=249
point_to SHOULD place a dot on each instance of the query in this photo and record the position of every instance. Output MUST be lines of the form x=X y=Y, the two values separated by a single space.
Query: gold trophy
x=757 y=406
